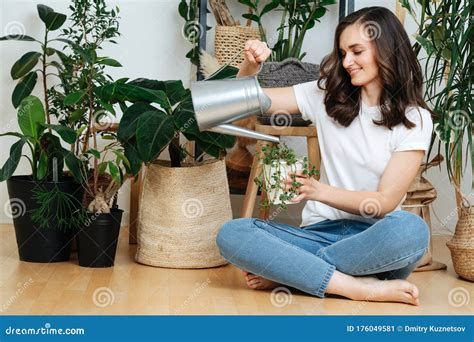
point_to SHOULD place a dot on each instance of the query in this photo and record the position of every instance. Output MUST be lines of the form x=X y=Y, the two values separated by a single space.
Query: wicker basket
x=229 y=40
x=462 y=244
x=181 y=212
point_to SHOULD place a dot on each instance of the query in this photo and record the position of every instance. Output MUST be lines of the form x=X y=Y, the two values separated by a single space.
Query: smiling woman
x=373 y=130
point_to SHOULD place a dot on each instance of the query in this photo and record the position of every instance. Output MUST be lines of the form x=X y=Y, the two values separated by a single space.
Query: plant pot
x=181 y=212
x=287 y=73
x=97 y=239
x=275 y=174
x=36 y=244
x=462 y=244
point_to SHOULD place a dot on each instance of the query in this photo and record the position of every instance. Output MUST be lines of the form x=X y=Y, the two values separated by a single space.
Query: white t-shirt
x=354 y=158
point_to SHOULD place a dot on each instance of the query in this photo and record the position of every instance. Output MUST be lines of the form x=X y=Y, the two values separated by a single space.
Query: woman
x=374 y=129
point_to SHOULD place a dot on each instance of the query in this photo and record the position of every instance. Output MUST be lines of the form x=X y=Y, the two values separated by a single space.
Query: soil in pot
x=37 y=244
x=97 y=239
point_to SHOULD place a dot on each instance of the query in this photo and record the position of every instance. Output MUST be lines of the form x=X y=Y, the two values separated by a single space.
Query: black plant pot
x=38 y=244
x=97 y=240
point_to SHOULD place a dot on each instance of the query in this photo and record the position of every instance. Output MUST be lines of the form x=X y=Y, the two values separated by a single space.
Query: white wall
x=152 y=46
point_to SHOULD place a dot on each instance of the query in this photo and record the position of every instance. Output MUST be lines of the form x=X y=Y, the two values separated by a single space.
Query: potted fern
x=445 y=34
x=46 y=203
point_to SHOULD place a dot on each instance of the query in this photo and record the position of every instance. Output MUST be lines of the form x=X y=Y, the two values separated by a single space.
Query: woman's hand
x=310 y=188
x=255 y=52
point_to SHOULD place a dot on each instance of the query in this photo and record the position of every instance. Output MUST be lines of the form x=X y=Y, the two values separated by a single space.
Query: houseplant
x=49 y=199
x=278 y=163
x=445 y=34
x=182 y=205
x=78 y=104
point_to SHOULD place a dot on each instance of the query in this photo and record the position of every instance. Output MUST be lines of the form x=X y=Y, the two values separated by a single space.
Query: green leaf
x=77 y=114
x=174 y=89
x=131 y=152
x=30 y=115
x=102 y=167
x=128 y=123
x=319 y=12
x=94 y=152
x=121 y=157
x=74 y=165
x=12 y=162
x=53 y=20
x=25 y=64
x=66 y=133
x=50 y=51
x=24 y=88
x=109 y=62
x=132 y=93
x=114 y=172
x=154 y=132
x=42 y=166
x=269 y=7
x=21 y=37
x=252 y=17
x=74 y=98
x=183 y=9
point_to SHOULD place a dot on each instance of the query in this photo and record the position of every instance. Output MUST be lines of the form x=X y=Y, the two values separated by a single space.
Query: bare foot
x=396 y=290
x=258 y=283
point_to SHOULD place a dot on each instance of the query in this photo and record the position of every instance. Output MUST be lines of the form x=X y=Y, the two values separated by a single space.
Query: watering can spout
x=217 y=103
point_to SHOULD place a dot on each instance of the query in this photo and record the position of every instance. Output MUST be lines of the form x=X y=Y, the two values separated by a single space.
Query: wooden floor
x=133 y=289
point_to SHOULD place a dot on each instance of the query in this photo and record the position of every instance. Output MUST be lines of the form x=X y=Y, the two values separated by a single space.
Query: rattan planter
x=462 y=244
x=181 y=212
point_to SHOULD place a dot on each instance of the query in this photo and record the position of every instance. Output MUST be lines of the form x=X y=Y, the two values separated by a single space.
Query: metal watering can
x=219 y=102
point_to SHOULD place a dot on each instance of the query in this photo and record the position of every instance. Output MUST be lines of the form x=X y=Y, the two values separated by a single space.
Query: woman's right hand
x=255 y=52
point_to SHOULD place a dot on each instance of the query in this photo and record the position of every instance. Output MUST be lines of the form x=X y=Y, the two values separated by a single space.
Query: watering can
x=217 y=103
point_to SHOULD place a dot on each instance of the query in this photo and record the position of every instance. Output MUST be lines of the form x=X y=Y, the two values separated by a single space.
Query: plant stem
x=45 y=88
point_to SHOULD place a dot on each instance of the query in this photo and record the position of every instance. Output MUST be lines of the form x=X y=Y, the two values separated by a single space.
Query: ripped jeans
x=305 y=258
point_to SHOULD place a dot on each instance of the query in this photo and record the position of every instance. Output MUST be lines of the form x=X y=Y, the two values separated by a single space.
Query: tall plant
x=445 y=33
x=297 y=18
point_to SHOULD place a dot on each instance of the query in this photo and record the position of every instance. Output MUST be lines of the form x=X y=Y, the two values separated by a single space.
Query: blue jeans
x=305 y=258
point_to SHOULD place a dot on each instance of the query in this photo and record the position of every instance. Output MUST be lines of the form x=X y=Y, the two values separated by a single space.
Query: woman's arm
x=283 y=99
x=396 y=179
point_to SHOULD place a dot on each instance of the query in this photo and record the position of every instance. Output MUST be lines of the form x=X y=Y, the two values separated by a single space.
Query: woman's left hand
x=310 y=188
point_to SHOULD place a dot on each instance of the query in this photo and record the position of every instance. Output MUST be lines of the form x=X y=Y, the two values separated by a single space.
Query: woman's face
x=358 y=55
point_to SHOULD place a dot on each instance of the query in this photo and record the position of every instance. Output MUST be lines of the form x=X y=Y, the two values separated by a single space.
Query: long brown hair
x=399 y=71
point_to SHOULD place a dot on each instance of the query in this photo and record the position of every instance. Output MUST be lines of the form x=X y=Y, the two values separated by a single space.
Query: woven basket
x=181 y=212
x=229 y=40
x=462 y=244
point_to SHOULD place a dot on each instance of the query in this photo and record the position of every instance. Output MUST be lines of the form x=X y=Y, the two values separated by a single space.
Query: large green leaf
x=66 y=133
x=154 y=132
x=12 y=162
x=115 y=173
x=129 y=121
x=131 y=152
x=21 y=37
x=74 y=165
x=24 y=88
x=173 y=89
x=132 y=93
x=25 y=64
x=30 y=115
x=53 y=20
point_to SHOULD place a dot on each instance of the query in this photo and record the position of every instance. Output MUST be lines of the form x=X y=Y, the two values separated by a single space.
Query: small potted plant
x=278 y=163
x=45 y=204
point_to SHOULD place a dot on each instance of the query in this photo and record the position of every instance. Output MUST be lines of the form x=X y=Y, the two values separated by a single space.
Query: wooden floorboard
x=130 y=288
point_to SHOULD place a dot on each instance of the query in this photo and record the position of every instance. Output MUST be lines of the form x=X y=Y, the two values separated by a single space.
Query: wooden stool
x=314 y=159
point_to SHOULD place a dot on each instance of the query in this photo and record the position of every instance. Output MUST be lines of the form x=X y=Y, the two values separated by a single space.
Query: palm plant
x=445 y=32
